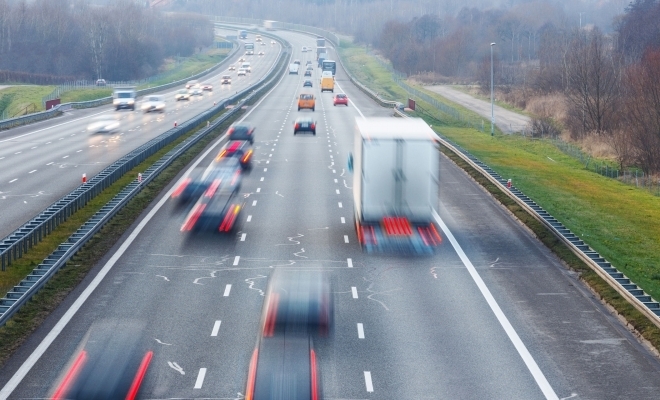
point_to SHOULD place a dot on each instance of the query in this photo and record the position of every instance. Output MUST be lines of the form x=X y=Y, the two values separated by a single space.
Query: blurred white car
x=261 y=53
x=195 y=91
x=232 y=68
x=103 y=124
x=153 y=103
x=182 y=95
x=242 y=72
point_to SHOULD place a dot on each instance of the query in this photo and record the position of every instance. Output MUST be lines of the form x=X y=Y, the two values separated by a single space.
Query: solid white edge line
x=533 y=368
x=354 y=292
x=27 y=365
x=352 y=103
x=216 y=328
x=227 y=290
x=367 y=381
x=360 y=329
x=200 y=378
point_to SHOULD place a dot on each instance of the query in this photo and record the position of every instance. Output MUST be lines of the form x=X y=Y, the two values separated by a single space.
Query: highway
x=492 y=315
x=42 y=162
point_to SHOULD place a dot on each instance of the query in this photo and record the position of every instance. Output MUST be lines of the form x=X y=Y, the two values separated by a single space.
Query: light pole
x=492 y=99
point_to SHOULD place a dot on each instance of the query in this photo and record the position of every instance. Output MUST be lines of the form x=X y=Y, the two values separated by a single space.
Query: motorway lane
x=427 y=330
x=42 y=162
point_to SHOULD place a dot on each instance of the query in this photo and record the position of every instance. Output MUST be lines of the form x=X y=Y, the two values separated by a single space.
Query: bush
x=545 y=127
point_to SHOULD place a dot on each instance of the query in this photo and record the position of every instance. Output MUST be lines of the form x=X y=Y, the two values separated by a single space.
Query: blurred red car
x=340 y=98
x=208 y=87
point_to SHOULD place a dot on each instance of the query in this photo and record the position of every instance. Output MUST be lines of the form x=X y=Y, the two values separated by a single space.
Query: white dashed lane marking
x=216 y=328
x=200 y=378
x=227 y=289
x=354 y=292
x=360 y=329
x=367 y=381
x=249 y=218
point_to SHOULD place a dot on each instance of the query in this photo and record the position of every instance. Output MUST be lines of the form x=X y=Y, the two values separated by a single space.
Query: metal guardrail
x=21 y=240
x=29 y=286
x=616 y=279
x=44 y=115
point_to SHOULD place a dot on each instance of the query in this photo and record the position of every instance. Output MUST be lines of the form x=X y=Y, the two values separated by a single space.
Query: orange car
x=306 y=100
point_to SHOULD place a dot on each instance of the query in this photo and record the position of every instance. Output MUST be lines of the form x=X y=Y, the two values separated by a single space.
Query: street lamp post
x=492 y=99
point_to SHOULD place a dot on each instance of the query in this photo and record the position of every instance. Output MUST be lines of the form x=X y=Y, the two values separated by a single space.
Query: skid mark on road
x=251 y=283
x=297 y=254
x=292 y=239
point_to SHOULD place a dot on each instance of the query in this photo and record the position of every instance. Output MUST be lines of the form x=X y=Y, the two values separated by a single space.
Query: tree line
x=74 y=38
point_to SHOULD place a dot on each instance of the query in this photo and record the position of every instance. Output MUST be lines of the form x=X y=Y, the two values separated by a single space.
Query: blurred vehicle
x=269 y=25
x=249 y=49
x=239 y=149
x=226 y=80
x=321 y=50
x=232 y=67
x=309 y=62
x=394 y=214
x=307 y=83
x=261 y=53
x=296 y=62
x=225 y=173
x=272 y=42
x=153 y=103
x=320 y=41
x=246 y=66
x=100 y=82
x=241 y=59
x=304 y=49
x=192 y=83
x=216 y=210
x=111 y=364
x=182 y=95
x=196 y=91
x=327 y=83
x=263 y=43
x=321 y=57
x=242 y=34
x=208 y=87
x=241 y=132
x=124 y=97
x=308 y=73
x=257 y=38
x=298 y=306
x=329 y=65
x=103 y=124
x=298 y=302
x=306 y=100
x=293 y=69
x=340 y=98
x=304 y=124
x=242 y=72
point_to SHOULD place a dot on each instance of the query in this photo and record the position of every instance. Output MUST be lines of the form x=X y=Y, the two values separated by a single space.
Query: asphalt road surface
x=507 y=121
x=492 y=315
x=42 y=162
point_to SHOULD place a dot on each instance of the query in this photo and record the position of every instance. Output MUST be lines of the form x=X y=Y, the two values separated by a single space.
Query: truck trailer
x=395 y=185
x=320 y=41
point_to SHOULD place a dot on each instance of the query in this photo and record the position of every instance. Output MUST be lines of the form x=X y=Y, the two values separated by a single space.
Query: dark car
x=217 y=210
x=241 y=132
x=227 y=173
x=298 y=307
x=308 y=73
x=239 y=149
x=304 y=124
x=307 y=83
x=111 y=364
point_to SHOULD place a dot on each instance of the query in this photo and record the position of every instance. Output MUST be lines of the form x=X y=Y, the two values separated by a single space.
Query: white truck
x=395 y=185
x=124 y=97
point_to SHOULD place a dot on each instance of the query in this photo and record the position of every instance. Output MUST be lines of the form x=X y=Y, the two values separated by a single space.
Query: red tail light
x=229 y=132
x=297 y=125
x=212 y=188
x=139 y=376
x=181 y=188
x=71 y=376
x=271 y=315
x=313 y=126
x=397 y=226
x=193 y=217
x=230 y=218
x=252 y=374
x=313 y=373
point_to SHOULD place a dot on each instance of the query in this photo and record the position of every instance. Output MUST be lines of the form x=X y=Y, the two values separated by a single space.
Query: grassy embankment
x=615 y=219
x=15 y=99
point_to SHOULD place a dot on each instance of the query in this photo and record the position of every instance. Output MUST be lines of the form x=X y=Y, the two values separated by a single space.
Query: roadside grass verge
x=191 y=66
x=14 y=100
x=32 y=315
x=85 y=94
x=615 y=219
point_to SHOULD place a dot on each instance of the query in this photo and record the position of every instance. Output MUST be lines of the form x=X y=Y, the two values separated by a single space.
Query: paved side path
x=507 y=121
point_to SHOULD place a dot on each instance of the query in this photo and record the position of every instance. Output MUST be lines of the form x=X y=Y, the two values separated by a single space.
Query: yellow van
x=327 y=83
x=306 y=100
